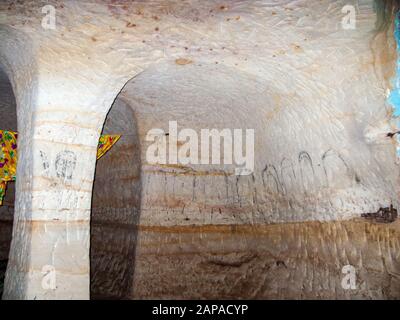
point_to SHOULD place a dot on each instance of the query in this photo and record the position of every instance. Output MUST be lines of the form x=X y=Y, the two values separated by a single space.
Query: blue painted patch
x=394 y=97
x=394 y=100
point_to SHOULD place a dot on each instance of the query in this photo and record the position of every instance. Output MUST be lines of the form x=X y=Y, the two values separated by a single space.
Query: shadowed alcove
x=8 y=121
x=116 y=208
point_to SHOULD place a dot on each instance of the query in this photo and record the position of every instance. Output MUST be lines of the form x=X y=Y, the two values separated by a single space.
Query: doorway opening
x=116 y=208
x=8 y=121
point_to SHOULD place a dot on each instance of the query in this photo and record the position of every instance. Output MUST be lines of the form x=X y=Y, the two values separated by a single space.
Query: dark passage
x=115 y=209
x=8 y=121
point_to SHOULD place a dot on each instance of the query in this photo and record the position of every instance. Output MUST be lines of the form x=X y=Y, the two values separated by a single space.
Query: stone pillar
x=49 y=255
x=51 y=237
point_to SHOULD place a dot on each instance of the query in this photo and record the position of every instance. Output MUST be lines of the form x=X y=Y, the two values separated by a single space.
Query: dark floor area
x=3 y=267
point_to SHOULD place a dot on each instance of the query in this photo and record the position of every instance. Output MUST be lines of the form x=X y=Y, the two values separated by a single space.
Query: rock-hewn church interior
x=202 y=150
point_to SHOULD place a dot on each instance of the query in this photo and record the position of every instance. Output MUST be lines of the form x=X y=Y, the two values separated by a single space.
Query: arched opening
x=167 y=252
x=204 y=232
x=8 y=121
x=116 y=208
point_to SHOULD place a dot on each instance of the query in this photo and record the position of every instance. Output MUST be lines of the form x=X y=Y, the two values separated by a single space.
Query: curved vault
x=311 y=162
x=318 y=107
x=187 y=212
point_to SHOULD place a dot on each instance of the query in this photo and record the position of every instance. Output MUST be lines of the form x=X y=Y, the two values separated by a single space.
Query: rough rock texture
x=278 y=261
x=116 y=209
x=310 y=164
x=314 y=93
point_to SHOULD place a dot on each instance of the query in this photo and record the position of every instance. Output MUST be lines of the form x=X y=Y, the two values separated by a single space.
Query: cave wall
x=315 y=94
x=273 y=261
x=316 y=157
